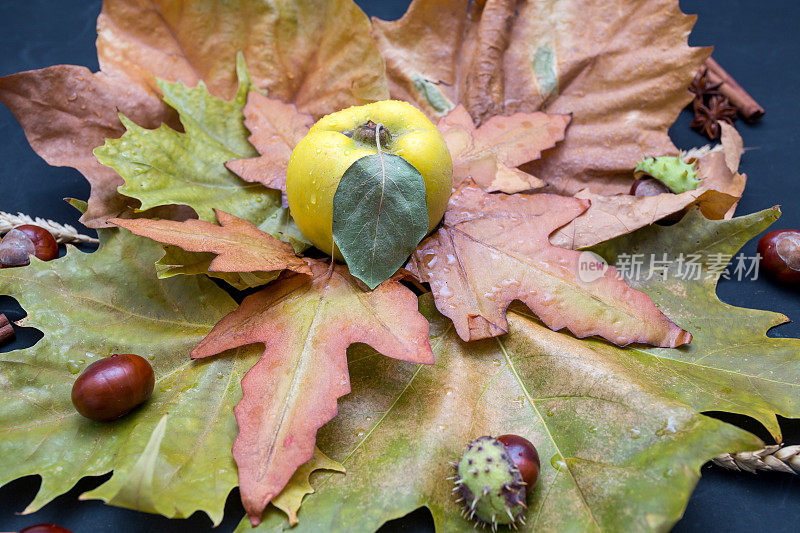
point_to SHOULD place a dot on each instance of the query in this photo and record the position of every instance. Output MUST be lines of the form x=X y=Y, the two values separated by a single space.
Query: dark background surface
x=758 y=42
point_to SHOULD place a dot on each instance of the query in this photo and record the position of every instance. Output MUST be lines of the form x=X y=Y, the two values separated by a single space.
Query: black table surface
x=757 y=41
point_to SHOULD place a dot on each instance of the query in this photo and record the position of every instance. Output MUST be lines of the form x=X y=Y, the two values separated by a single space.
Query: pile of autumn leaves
x=543 y=151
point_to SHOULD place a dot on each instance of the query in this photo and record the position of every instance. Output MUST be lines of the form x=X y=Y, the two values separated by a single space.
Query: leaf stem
x=378 y=127
x=333 y=261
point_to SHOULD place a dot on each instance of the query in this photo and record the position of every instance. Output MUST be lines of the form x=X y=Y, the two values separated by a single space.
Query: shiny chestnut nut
x=653 y=187
x=524 y=455
x=648 y=187
x=23 y=241
x=780 y=254
x=45 y=245
x=112 y=387
x=44 y=528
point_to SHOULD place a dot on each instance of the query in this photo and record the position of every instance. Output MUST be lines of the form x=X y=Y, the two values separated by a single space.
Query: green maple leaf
x=164 y=166
x=171 y=456
x=618 y=429
x=90 y=306
x=731 y=365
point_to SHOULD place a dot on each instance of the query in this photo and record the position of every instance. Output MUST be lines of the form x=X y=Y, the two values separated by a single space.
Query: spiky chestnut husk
x=672 y=171
x=489 y=484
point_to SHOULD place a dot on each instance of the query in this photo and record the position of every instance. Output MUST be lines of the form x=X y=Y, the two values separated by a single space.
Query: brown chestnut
x=524 y=455
x=112 y=387
x=16 y=249
x=45 y=245
x=780 y=254
x=648 y=187
x=45 y=528
x=653 y=187
x=26 y=240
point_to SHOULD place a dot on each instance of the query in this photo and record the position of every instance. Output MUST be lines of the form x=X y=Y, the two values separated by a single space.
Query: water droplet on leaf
x=558 y=463
x=429 y=260
x=668 y=428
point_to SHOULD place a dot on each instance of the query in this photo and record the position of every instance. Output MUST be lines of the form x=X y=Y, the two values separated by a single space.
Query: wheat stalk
x=62 y=232
x=773 y=458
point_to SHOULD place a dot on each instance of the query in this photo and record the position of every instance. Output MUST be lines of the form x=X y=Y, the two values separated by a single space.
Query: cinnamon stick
x=6 y=330
x=748 y=108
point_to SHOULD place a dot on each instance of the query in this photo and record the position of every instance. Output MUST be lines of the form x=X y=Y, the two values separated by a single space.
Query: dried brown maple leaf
x=275 y=129
x=493 y=249
x=612 y=216
x=620 y=69
x=732 y=145
x=490 y=153
x=239 y=245
x=54 y=103
x=296 y=50
x=306 y=325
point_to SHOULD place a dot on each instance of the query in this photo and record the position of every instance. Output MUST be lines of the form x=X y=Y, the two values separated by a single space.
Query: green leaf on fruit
x=164 y=166
x=379 y=216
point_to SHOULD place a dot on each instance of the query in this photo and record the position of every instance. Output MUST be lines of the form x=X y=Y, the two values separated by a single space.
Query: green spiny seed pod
x=489 y=484
x=672 y=171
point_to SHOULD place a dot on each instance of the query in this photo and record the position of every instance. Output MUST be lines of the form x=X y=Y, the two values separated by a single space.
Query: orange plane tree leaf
x=612 y=216
x=275 y=129
x=422 y=53
x=178 y=262
x=493 y=249
x=306 y=325
x=318 y=54
x=239 y=245
x=620 y=70
x=490 y=153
